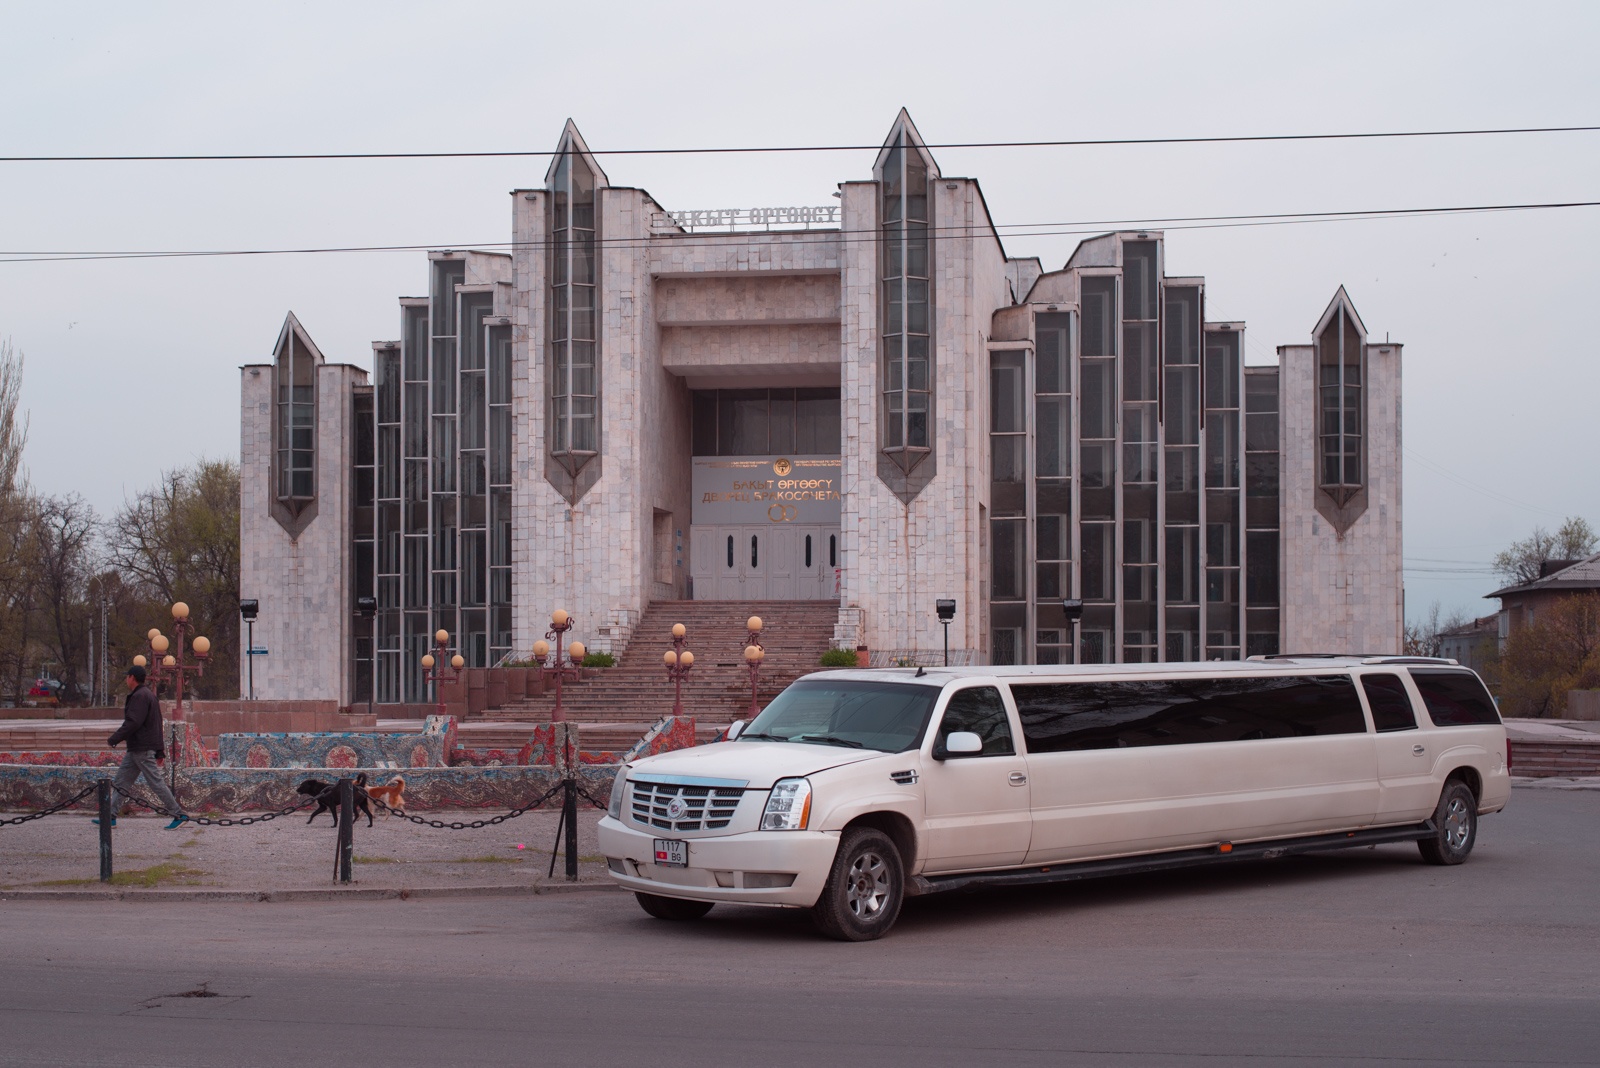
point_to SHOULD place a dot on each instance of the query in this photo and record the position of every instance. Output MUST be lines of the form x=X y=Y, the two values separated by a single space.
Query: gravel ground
x=61 y=852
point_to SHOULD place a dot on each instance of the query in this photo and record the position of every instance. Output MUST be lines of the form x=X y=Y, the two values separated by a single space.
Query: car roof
x=940 y=676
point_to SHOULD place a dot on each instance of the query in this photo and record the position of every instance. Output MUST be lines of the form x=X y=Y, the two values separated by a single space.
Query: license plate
x=671 y=853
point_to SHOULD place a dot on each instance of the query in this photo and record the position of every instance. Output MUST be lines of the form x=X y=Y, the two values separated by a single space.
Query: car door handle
x=1018 y=779
x=1419 y=750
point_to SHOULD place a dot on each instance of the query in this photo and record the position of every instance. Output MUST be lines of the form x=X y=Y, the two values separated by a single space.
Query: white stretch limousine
x=854 y=789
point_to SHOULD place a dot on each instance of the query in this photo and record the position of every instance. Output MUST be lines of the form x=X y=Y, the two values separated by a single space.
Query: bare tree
x=62 y=559
x=13 y=431
x=1425 y=637
x=1522 y=560
x=180 y=541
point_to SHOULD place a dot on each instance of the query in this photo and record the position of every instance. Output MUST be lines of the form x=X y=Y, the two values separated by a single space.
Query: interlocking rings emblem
x=782 y=513
x=677 y=809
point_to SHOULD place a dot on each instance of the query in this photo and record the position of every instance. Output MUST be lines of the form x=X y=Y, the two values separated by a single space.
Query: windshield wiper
x=767 y=737
x=827 y=739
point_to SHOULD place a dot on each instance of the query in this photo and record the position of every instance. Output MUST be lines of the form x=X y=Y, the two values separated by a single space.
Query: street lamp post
x=167 y=659
x=434 y=670
x=754 y=653
x=248 y=609
x=560 y=623
x=947 y=612
x=1073 y=606
x=679 y=661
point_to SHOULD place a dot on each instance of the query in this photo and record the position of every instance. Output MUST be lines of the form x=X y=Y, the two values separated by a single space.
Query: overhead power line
x=769 y=149
x=1202 y=222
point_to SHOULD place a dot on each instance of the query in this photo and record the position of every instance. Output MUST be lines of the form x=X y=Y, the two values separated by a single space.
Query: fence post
x=569 y=815
x=347 y=823
x=102 y=790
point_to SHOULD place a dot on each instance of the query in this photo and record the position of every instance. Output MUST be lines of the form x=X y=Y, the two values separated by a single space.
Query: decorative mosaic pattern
x=342 y=750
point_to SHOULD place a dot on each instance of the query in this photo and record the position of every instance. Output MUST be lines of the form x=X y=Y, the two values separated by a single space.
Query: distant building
x=867 y=402
x=1522 y=604
x=1473 y=643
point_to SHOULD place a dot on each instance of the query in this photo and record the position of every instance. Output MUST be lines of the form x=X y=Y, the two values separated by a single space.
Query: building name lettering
x=821 y=215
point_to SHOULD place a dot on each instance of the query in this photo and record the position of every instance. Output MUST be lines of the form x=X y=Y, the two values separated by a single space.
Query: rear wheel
x=862 y=898
x=1455 y=824
x=672 y=908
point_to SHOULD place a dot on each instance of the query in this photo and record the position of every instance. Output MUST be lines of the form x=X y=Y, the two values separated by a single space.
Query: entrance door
x=778 y=562
x=783 y=543
x=816 y=557
x=755 y=548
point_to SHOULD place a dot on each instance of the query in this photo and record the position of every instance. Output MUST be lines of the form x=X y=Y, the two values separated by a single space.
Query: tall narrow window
x=297 y=423
x=907 y=305
x=1339 y=364
x=574 y=382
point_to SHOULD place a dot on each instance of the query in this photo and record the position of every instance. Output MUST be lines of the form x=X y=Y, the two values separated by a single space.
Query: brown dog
x=393 y=794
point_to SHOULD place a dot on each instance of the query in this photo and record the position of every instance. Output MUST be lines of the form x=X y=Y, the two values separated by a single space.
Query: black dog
x=327 y=795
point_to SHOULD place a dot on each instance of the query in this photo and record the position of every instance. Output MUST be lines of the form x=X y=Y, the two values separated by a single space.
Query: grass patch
x=358 y=859
x=488 y=859
x=154 y=875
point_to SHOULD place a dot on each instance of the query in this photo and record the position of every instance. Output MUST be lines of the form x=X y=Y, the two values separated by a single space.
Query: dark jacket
x=141 y=722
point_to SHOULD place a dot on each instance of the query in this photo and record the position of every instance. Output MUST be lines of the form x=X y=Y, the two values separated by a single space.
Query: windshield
x=889 y=717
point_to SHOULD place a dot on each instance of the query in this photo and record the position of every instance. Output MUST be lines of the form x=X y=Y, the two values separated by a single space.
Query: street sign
x=260 y=650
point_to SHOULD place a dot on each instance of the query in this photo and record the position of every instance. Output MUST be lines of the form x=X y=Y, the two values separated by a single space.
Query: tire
x=865 y=888
x=672 y=908
x=1456 y=823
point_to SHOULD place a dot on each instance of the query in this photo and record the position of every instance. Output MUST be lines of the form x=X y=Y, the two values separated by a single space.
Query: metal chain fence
x=51 y=811
x=350 y=794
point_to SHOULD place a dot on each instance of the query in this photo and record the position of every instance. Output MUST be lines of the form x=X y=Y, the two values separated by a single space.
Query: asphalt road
x=1365 y=957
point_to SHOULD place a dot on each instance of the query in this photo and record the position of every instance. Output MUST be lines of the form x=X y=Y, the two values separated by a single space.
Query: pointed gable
x=904 y=133
x=572 y=144
x=1340 y=299
x=292 y=330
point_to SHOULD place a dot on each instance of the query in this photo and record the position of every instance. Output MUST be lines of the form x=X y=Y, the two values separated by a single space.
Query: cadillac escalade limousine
x=854 y=789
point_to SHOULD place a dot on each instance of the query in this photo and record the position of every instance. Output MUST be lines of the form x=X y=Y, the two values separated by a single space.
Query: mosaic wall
x=237 y=783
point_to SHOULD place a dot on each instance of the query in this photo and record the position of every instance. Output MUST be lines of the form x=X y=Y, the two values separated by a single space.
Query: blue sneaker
x=97 y=821
x=177 y=821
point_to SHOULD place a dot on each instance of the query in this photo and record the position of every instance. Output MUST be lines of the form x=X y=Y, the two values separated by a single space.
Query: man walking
x=141 y=729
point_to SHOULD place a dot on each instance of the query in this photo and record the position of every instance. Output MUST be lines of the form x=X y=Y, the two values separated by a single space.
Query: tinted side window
x=981 y=711
x=1391 y=705
x=1063 y=717
x=1455 y=698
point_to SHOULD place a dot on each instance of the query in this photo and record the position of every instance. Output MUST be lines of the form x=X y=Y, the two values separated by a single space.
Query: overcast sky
x=132 y=365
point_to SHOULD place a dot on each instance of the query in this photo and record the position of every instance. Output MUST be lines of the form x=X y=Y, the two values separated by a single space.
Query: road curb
x=354 y=893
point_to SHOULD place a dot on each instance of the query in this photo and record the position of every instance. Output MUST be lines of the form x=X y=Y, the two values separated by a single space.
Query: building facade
x=868 y=403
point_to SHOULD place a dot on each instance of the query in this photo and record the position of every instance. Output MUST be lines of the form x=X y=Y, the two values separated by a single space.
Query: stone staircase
x=616 y=707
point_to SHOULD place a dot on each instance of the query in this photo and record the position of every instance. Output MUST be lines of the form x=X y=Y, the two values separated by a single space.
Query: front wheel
x=1455 y=824
x=672 y=908
x=862 y=898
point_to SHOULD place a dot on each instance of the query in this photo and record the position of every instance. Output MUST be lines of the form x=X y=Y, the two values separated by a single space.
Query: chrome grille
x=706 y=808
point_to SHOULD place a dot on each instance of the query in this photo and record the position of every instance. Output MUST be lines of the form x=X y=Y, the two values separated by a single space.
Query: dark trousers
x=137 y=762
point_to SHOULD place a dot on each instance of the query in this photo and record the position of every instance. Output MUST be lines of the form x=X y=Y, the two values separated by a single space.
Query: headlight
x=620 y=783
x=788 y=806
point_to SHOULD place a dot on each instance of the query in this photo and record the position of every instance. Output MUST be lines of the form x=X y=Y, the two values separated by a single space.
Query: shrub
x=839 y=658
x=599 y=660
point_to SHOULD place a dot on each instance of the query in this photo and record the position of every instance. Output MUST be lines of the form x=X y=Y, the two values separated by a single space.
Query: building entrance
x=765 y=563
x=765 y=528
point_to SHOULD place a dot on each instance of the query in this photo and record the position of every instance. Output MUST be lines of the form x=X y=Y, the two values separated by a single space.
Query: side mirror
x=736 y=729
x=961 y=743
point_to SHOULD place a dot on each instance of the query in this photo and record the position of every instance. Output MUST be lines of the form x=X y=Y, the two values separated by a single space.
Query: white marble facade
x=682 y=311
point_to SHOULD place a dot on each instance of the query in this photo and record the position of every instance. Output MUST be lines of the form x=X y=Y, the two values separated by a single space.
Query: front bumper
x=717 y=865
